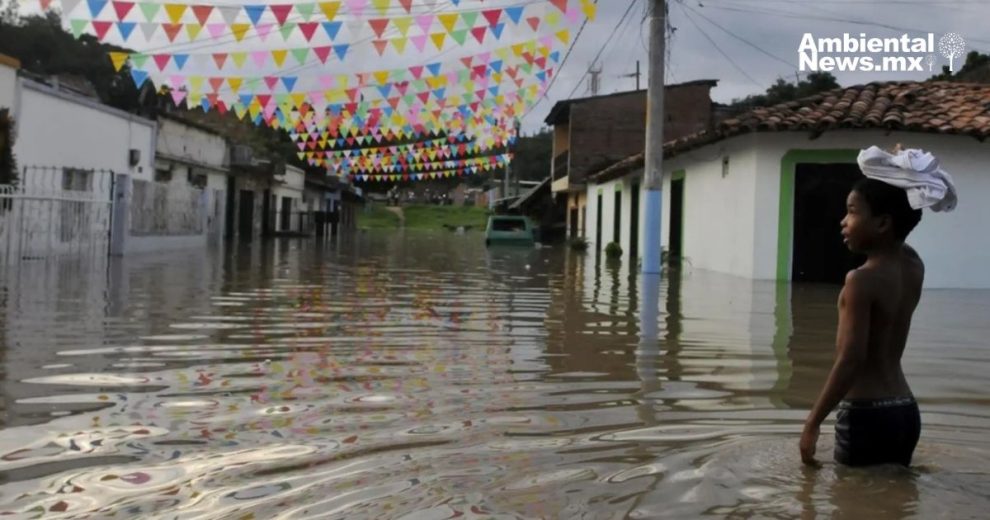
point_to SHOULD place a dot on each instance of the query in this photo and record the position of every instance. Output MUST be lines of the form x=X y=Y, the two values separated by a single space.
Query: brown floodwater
x=418 y=375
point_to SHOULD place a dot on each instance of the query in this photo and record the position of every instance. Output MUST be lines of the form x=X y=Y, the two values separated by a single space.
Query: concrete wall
x=66 y=130
x=605 y=130
x=191 y=144
x=8 y=83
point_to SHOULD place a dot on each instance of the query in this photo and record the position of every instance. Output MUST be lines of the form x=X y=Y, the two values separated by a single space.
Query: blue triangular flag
x=341 y=50
x=332 y=28
x=497 y=30
x=139 y=77
x=180 y=60
x=254 y=12
x=514 y=13
x=555 y=56
x=385 y=89
x=496 y=65
x=95 y=6
x=126 y=28
x=434 y=69
x=289 y=82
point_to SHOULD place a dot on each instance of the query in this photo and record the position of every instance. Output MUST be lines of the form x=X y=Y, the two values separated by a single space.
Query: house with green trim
x=761 y=195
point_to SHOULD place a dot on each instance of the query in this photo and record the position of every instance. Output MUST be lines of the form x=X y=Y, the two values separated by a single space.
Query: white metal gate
x=56 y=211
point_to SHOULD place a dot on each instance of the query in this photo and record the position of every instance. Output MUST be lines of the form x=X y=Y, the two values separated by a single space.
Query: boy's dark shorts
x=877 y=431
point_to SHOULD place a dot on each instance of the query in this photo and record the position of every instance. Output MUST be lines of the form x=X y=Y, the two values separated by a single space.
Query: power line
x=560 y=68
x=719 y=49
x=607 y=42
x=740 y=38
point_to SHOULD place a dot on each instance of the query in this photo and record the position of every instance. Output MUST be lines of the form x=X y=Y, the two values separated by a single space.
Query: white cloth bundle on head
x=916 y=171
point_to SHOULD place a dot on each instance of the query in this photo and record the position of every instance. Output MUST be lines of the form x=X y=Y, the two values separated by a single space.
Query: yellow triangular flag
x=239 y=30
x=175 y=11
x=502 y=53
x=448 y=21
x=330 y=9
x=564 y=36
x=238 y=58
x=438 y=39
x=278 y=56
x=400 y=44
x=299 y=98
x=589 y=8
x=553 y=18
x=381 y=76
x=518 y=49
x=118 y=59
x=195 y=86
x=193 y=30
x=235 y=83
x=403 y=24
x=381 y=5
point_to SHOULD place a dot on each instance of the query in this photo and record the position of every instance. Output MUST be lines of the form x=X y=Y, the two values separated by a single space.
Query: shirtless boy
x=878 y=420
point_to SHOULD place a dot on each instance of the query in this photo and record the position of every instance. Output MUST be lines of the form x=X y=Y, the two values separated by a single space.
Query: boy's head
x=877 y=212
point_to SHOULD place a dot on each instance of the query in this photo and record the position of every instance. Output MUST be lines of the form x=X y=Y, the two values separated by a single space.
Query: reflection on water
x=423 y=376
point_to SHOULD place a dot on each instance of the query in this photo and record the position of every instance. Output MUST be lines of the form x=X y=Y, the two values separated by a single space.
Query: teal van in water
x=509 y=229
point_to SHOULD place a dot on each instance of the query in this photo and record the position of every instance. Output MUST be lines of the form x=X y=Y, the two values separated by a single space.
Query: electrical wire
x=719 y=49
x=607 y=42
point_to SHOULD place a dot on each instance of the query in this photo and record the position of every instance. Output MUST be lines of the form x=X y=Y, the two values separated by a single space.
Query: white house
x=287 y=194
x=70 y=148
x=183 y=205
x=762 y=195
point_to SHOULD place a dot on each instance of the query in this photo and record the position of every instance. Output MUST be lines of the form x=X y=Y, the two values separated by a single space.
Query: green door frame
x=785 y=214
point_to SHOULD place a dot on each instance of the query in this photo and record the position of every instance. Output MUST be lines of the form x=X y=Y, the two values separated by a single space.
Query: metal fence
x=166 y=209
x=55 y=211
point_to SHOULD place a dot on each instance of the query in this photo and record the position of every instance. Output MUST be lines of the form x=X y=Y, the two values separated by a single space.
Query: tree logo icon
x=951 y=46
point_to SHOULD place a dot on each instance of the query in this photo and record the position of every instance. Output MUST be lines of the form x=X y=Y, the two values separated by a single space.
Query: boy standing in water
x=878 y=421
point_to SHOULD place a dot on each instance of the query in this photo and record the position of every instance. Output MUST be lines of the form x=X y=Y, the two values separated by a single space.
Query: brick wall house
x=592 y=133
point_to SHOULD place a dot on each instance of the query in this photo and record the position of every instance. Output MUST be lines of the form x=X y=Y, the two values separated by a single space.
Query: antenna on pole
x=636 y=75
x=595 y=80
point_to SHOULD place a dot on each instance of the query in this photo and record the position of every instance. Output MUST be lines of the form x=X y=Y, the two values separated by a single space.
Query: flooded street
x=418 y=375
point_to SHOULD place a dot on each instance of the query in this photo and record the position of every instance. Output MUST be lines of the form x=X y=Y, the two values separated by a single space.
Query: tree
x=976 y=69
x=783 y=91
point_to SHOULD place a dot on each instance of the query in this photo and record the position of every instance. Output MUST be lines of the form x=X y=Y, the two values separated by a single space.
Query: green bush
x=579 y=244
x=613 y=250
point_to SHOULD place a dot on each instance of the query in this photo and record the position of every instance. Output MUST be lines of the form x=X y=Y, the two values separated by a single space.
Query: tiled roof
x=940 y=107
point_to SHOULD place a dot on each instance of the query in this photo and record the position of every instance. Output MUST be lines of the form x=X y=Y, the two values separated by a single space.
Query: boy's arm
x=851 y=344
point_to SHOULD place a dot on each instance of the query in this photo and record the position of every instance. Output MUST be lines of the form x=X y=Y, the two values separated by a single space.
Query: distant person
x=878 y=421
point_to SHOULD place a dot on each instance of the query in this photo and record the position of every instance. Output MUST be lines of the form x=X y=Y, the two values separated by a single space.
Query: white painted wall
x=293 y=184
x=731 y=222
x=65 y=130
x=177 y=140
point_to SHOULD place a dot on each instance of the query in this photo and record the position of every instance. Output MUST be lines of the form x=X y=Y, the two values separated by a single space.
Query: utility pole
x=653 y=164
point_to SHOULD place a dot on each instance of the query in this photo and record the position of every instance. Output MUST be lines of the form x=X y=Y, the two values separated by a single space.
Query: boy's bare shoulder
x=863 y=280
x=913 y=257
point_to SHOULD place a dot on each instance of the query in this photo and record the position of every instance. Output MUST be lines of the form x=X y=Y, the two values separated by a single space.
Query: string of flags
x=286 y=65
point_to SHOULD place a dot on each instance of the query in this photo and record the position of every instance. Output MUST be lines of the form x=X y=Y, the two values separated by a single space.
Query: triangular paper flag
x=438 y=39
x=379 y=25
x=239 y=30
x=380 y=46
x=448 y=21
x=278 y=56
x=459 y=36
x=125 y=29
x=192 y=30
x=175 y=12
x=286 y=30
x=514 y=13
x=68 y=6
x=301 y=55
x=118 y=59
x=330 y=9
x=308 y=29
x=332 y=29
x=239 y=58
x=172 y=30
x=305 y=10
x=281 y=12
x=101 y=27
x=95 y=6
x=400 y=44
x=122 y=8
x=254 y=12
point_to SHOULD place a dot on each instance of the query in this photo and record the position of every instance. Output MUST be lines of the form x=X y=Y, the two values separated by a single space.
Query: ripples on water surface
x=421 y=376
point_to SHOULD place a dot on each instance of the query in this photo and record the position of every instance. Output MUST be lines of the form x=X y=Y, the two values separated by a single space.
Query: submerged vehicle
x=509 y=229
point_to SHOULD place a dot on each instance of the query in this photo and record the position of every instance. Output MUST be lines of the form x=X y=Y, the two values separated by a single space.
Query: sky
x=772 y=28
x=744 y=44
